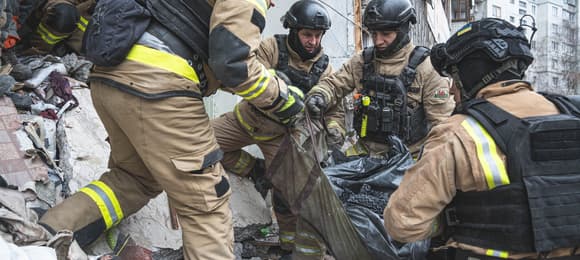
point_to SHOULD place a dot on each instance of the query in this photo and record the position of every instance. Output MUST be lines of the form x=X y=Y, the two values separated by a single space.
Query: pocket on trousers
x=204 y=184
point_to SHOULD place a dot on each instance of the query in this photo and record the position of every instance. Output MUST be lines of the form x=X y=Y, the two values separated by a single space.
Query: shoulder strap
x=282 y=52
x=368 y=66
x=318 y=68
x=566 y=104
x=417 y=57
x=500 y=124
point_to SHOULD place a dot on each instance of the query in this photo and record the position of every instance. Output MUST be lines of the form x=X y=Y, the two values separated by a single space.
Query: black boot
x=257 y=174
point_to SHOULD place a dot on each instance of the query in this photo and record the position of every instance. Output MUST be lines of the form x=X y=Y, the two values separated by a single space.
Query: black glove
x=316 y=105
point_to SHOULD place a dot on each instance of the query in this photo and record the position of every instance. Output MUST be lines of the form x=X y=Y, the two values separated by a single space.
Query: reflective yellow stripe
x=106 y=201
x=249 y=128
x=242 y=163
x=162 y=60
x=258 y=87
x=291 y=100
x=493 y=167
x=496 y=253
x=111 y=195
x=47 y=36
x=261 y=5
x=82 y=24
x=287 y=237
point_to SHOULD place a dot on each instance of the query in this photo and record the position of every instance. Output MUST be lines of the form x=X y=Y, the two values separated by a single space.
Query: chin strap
x=509 y=66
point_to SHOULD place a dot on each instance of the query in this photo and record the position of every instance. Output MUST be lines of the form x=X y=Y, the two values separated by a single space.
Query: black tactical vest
x=189 y=20
x=539 y=210
x=383 y=109
x=299 y=78
x=184 y=27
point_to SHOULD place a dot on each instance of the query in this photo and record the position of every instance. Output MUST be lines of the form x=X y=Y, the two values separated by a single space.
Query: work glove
x=292 y=107
x=316 y=105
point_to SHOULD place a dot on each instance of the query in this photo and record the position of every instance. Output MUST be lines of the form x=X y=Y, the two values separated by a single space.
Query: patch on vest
x=441 y=93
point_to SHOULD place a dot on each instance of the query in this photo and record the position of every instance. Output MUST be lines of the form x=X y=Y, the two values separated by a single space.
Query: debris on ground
x=52 y=143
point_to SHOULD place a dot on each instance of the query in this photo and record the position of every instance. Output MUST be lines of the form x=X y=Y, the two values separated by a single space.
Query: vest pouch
x=114 y=27
x=552 y=181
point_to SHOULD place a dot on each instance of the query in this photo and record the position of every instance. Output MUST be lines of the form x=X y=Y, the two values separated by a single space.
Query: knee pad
x=63 y=18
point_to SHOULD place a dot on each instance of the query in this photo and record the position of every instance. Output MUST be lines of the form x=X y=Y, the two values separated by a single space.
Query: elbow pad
x=227 y=56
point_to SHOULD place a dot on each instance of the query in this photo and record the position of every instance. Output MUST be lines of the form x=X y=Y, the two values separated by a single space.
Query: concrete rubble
x=75 y=142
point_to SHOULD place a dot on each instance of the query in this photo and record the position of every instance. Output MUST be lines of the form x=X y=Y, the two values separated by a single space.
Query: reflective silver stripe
x=258 y=87
x=493 y=167
x=307 y=250
x=107 y=202
x=308 y=236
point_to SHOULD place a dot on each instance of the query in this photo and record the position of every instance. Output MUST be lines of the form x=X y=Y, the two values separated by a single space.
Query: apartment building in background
x=555 y=44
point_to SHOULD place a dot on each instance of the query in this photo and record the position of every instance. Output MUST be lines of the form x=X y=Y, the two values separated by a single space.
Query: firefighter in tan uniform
x=398 y=90
x=496 y=179
x=298 y=56
x=55 y=22
x=150 y=101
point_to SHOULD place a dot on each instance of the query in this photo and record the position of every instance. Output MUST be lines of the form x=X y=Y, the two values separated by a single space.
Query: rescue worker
x=398 y=90
x=150 y=100
x=399 y=93
x=54 y=22
x=497 y=179
x=299 y=56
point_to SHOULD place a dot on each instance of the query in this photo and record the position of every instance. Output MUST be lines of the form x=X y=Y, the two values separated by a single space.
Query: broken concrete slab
x=249 y=208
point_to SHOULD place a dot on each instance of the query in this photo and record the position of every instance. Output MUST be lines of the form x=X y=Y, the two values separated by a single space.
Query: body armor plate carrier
x=184 y=27
x=299 y=78
x=539 y=210
x=189 y=20
x=383 y=109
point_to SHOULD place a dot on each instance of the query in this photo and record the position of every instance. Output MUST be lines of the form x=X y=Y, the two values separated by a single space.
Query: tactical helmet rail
x=307 y=14
x=496 y=47
x=390 y=15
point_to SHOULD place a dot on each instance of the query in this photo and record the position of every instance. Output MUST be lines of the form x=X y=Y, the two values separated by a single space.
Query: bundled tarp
x=364 y=186
x=352 y=229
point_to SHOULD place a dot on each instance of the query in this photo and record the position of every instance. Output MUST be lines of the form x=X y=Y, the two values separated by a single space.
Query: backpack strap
x=368 y=66
x=282 y=52
x=409 y=73
x=569 y=105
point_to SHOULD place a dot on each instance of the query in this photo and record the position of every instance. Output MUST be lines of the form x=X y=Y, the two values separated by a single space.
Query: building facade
x=555 y=43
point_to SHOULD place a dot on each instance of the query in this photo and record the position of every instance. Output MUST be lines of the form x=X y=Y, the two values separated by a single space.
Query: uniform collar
x=397 y=57
x=295 y=56
x=504 y=87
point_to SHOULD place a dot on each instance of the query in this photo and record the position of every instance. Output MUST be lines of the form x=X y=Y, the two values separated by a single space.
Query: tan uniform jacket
x=449 y=163
x=260 y=88
x=433 y=93
x=267 y=54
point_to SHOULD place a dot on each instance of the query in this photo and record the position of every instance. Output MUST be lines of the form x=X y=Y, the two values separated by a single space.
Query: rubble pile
x=52 y=143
